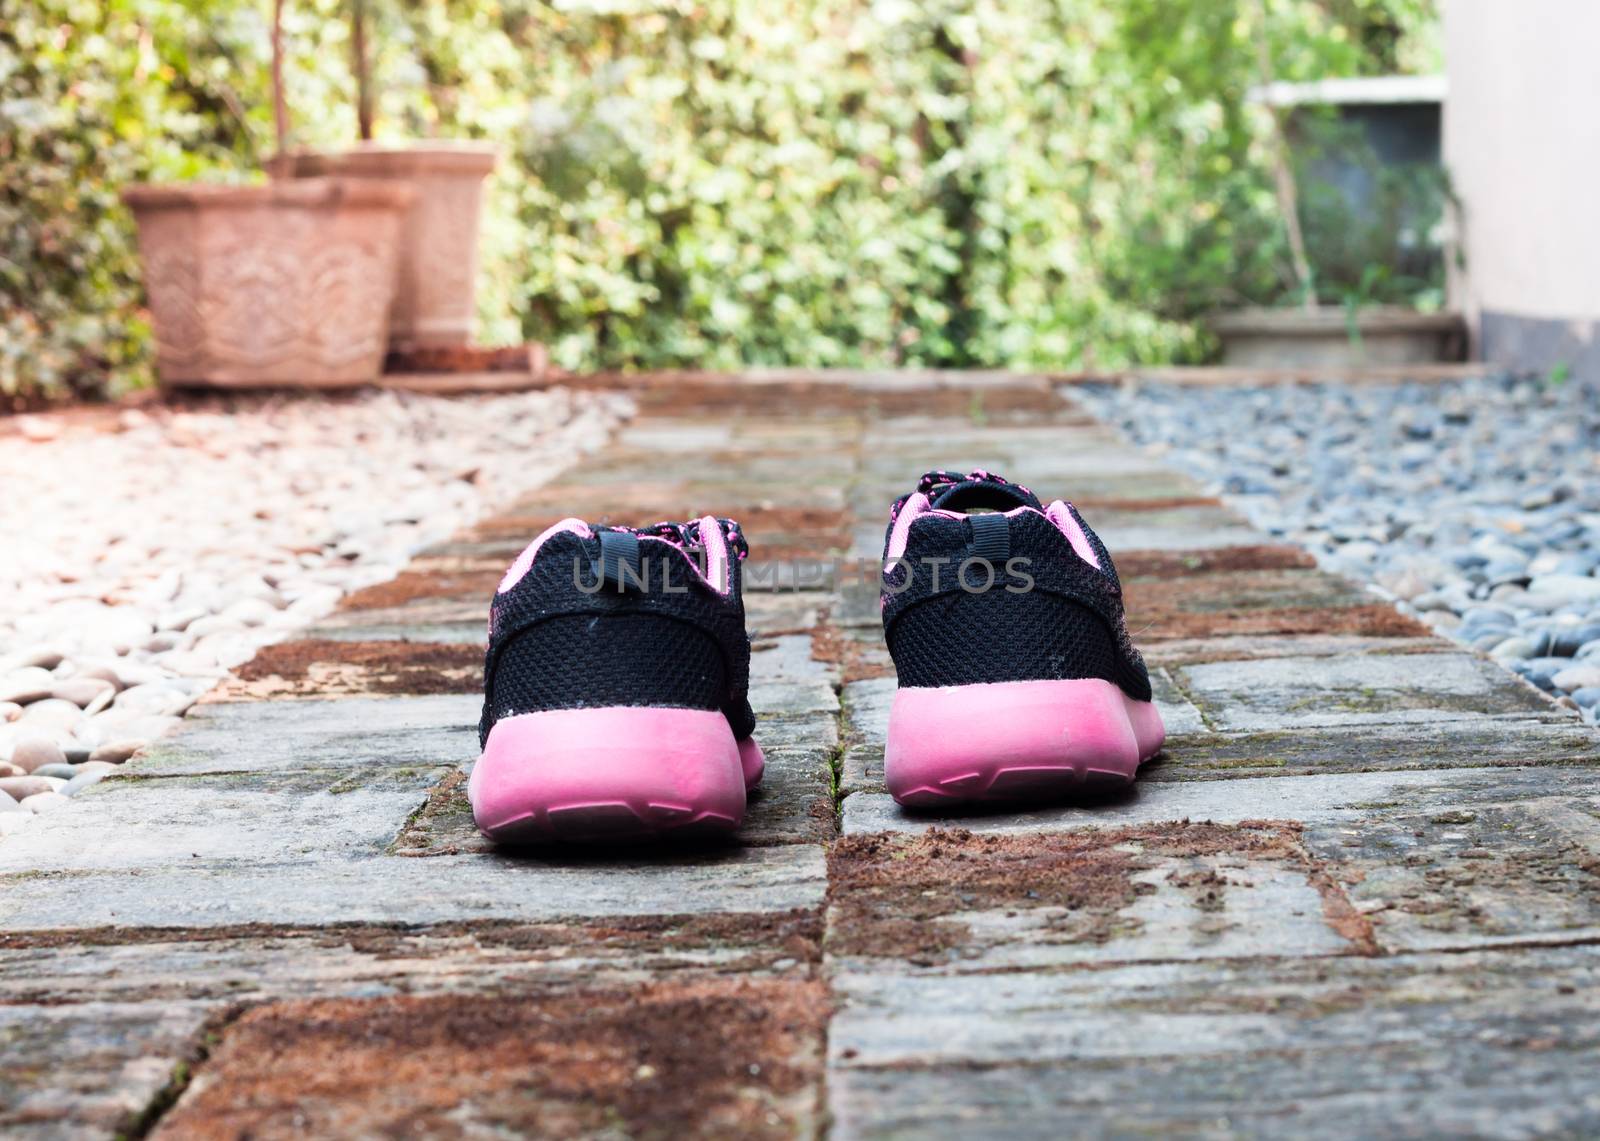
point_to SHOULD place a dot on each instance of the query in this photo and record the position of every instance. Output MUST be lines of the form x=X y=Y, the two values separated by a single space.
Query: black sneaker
x=1016 y=675
x=615 y=687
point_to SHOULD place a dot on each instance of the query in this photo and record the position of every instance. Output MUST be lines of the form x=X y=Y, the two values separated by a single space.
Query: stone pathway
x=1356 y=897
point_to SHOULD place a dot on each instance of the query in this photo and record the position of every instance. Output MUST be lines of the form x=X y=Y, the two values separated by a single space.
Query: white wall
x=1522 y=142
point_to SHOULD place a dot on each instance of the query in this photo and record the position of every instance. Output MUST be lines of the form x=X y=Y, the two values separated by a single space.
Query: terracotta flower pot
x=435 y=304
x=288 y=283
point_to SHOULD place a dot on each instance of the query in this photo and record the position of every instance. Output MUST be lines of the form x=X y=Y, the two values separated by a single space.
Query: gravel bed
x=1475 y=504
x=150 y=551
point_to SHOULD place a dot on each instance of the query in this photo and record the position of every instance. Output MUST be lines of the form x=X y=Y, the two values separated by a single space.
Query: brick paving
x=1357 y=895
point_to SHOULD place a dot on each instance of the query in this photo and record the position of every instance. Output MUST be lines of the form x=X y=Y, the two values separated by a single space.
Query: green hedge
x=1028 y=183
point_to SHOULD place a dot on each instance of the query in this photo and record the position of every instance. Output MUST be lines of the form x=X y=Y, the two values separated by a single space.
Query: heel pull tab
x=991 y=537
x=618 y=564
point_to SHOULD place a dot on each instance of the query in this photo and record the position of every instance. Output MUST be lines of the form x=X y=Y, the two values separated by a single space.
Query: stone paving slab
x=90 y=1069
x=648 y=501
x=778 y=732
x=280 y=736
x=773 y=614
x=1328 y=798
x=952 y=901
x=786 y=679
x=1461 y=858
x=1489 y=1044
x=672 y=1057
x=1250 y=647
x=1300 y=693
x=442 y=889
x=220 y=820
x=1483 y=873
x=1178 y=529
x=448 y=622
x=1149 y=1011
x=1505 y=740
x=1179 y=715
x=1071 y=457
x=356 y=961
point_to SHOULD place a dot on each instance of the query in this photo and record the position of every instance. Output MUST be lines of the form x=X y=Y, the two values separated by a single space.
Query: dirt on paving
x=1257 y=602
x=857 y=660
x=316 y=667
x=690 y=394
x=1176 y=564
x=792 y=938
x=897 y=896
x=705 y=1058
x=411 y=585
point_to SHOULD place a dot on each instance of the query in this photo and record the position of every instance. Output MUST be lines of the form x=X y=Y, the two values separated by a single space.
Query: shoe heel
x=619 y=773
x=1015 y=740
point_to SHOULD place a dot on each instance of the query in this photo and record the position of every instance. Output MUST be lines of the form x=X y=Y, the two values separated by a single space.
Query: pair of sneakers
x=617 y=678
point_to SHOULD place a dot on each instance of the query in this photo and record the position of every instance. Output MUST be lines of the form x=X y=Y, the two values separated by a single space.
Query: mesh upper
x=555 y=642
x=1066 y=624
x=966 y=639
x=585 y=660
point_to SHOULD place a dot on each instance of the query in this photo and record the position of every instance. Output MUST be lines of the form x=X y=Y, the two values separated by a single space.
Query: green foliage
x=1027 y=183
x=1372 y=229
x=94 y=95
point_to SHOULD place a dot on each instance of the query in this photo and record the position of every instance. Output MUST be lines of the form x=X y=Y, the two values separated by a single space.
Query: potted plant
x=1360 y=230
x=435 y=304
x=285 y=282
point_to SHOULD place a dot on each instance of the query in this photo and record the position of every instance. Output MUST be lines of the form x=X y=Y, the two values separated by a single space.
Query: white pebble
x=34 y=751
x=115 y=752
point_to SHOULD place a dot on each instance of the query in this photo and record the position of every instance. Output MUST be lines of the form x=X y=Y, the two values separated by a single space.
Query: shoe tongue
x=990 y=494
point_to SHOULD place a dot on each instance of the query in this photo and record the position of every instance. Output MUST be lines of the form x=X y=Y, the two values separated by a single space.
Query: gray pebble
x=82 y=781
x=1565 y=643
x=1561 y=589
x=1502 y=571
x=1489 y=616
x=60 y=772
x=1479 y=495
x=1577 y=677
x=1514 y=648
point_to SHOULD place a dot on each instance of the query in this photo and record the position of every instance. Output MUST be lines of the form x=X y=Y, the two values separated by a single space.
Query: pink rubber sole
x=1015 y=740
x=619 y=773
